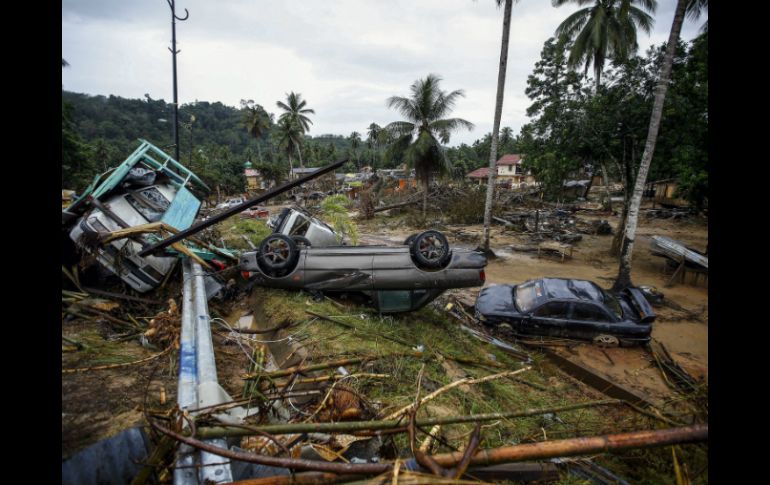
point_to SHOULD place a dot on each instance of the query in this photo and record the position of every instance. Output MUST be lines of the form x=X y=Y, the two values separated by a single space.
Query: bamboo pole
x=353 y=426
x=581 y=446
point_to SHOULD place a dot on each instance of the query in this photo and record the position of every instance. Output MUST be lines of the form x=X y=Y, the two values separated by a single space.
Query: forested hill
x=121 y=121
x=101 y=131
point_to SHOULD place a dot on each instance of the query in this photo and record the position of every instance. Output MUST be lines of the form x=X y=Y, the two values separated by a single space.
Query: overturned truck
x=146 y=195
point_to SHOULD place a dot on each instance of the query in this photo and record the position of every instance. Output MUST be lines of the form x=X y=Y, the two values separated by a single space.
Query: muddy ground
x=681 y=324
x=98 y=404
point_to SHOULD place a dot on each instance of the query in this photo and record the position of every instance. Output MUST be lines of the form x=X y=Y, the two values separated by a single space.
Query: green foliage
x=334 y=210
x=418 y=140
x=607 y=30
x=573 y=127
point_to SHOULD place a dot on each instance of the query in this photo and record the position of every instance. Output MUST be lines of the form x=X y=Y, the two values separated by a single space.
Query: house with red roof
x=509 y=172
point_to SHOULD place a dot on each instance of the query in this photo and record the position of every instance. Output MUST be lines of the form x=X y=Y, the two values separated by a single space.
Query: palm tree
x=289 y=137
x=373 y=136
x=256 y=120
x=295 y=111
x=498 y=114
x=418 y=139
x=692 y=8
x=355 y=143
x=605 y=31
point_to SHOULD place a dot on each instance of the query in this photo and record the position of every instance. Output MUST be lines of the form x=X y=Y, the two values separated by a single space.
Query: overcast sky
x=345 y=57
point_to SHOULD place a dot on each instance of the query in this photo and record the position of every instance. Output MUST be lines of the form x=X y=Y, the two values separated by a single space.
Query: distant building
x=509 y=172
x=254 y=179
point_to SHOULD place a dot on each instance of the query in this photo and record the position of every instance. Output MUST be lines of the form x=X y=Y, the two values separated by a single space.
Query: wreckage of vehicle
x=396 y=278
x=568 y=308
x=145 y=195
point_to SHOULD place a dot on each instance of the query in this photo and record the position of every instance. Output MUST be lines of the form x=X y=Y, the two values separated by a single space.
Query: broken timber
x=594 y=379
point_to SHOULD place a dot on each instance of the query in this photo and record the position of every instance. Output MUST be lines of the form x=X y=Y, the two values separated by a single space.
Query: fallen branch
x=369 y=426
x=116 y=366
x=466 y=380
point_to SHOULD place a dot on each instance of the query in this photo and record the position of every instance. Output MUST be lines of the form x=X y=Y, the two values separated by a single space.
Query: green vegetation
x=418 y=140
x=334 y=210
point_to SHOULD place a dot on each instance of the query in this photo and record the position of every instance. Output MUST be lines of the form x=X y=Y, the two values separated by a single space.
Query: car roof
x=569 y=289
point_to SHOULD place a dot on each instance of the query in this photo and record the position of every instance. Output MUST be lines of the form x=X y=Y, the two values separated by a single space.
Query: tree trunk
x=624 y=271
x=299 y=152
x=606 y=182
x=426 y=182
x=496 y=126
x=291 y=168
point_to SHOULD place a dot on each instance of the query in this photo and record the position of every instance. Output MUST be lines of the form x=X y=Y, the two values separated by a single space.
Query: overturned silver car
x=396 y=278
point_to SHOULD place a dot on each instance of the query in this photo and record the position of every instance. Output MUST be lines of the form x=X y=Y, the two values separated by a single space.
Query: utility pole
x=174 y=52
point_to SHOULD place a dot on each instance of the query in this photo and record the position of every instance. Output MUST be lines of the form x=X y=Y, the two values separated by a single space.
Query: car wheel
x=606 y=341
x=278 y=255
x=301 y=241
x=430 y=249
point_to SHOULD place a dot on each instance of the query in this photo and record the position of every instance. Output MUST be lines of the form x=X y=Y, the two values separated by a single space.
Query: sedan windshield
x=526 y=296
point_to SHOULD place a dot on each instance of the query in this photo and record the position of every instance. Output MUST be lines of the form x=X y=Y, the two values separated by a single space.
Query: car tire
x=408 y=241
x=430 y=250
x=301 y=241
x=278 y=254
x=606 y=341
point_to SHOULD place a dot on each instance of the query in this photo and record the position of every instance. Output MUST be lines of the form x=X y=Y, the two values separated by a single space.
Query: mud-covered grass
x=442 y=339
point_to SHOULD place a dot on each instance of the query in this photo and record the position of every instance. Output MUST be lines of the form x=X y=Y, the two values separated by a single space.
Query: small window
x=301 y=225
x=149 y=202
x=589 y=312
x=554 y=309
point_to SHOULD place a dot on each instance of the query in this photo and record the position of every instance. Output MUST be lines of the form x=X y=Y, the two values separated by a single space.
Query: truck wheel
x=278 y=255
x=430 y=250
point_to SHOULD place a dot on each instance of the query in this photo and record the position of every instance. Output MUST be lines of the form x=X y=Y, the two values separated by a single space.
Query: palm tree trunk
x=496 y=126
x=291 y=167
x=299 y=152
x=624 y=271
x=426 y=184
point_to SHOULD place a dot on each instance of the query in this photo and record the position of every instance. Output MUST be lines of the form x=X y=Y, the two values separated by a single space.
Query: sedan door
x=588 y=320
x=549 y=319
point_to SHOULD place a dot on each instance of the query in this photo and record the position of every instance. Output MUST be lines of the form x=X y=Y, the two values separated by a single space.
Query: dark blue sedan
x=568 y=308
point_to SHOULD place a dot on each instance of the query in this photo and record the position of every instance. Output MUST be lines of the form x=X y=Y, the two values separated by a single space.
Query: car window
x=592 y=313
x=554 y=309
x=149 y=202
x=301 y=225
x=612 y=303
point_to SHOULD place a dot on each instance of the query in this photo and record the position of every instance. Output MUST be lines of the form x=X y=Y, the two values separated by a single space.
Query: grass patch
x=233 y=229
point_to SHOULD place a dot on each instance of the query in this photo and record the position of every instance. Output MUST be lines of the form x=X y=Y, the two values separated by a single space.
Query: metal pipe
x=213 y=468
x=201 y=225
x=187 y=394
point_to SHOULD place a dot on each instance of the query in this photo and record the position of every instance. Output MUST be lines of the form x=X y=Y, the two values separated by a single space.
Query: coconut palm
x=693 y=9
x=355 y=143
x=289 y=137
x=607 y=30
x=295 y=111
x=418 y=140
x=498 y=115
x=256 y=120
x=373 y=136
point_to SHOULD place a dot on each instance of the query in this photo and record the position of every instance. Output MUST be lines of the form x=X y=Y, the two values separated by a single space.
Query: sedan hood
x=496 y=299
